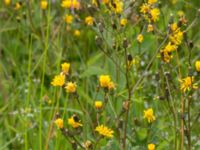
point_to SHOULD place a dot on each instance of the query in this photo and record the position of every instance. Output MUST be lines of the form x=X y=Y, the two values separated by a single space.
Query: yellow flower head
x=111 y=85
x=140 y=38
x=71 y=87
x=68 y=19
x=77 y=33
x=70 y=4
x=152 y=2
x=117 y=6
x=148 y=114
x=151 y=146
x=65 y=67
x=105 y=131
x=89 y=20
x=187 y=83
x=59 y=123
x=145 y=8
x=98 y=104
x=104 y=81
x=18 y=5
x=150 y=28
x=123 y=22
x=105 y=1
x=155 y=13
x=58 y=80
x=197 y=65
x=74 y=122
x=43 y=4
x=7 y=2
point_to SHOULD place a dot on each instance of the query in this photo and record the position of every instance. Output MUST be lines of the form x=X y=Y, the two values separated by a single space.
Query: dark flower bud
x=125 y=43
x=98 y=41
x=129 y=57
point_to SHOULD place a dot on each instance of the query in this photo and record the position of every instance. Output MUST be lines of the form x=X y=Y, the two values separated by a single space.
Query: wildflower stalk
x=182 y=105
x=43 y=74
x=128 y=100
x=29 y=89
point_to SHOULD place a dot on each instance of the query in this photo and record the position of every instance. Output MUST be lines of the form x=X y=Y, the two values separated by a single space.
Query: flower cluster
x=106 y=82
x=175 y=39
x=150 y=12
x=59 y=80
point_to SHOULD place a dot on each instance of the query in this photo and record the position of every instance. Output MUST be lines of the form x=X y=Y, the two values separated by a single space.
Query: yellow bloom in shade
x=18 y=5
x=123 y=22
x=151 y=146
x=59 y=123
x=187 y=83
x=7 y=2
x=65 y=67
x=43 y=4
x=71 y=87
x=58 y=80
x=197 y=65
x=111 y=85
x=104 y=131
x=104 y=81
x=155 y=13
x=98 y=104
x=152 y=2
x=148 y=114
x=105 y=1
x=77 y=33
x=89 y=20
x=68 y=19
x=144 y=8
x=150 y=28
x=140 y=38
x=74 y=121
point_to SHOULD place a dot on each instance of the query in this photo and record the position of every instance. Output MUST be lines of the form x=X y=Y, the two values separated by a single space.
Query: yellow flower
x=148 y=114
x=111 y=85
x=71 y=87
x=105 y=1
x=104 y=81
x=187 y=83
x=59 y=123
x=18 y=5
x=197 y=65
x=43 y=4
x=152 y=2
x=170 y=47
x=65 y=68
x=74 y=122
x=144 y=8
x=166 y=56
x=7 y=2
x=151 y=146
x=150 y=28
x=140 y=38
x=105 y=131
x=155 y=13
x=98 y=104
x=89 y=20
x=123 y=22
x=70 y=4
x=58 y=80
x=117 y=6
x=68 y=19
x=77 y=33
